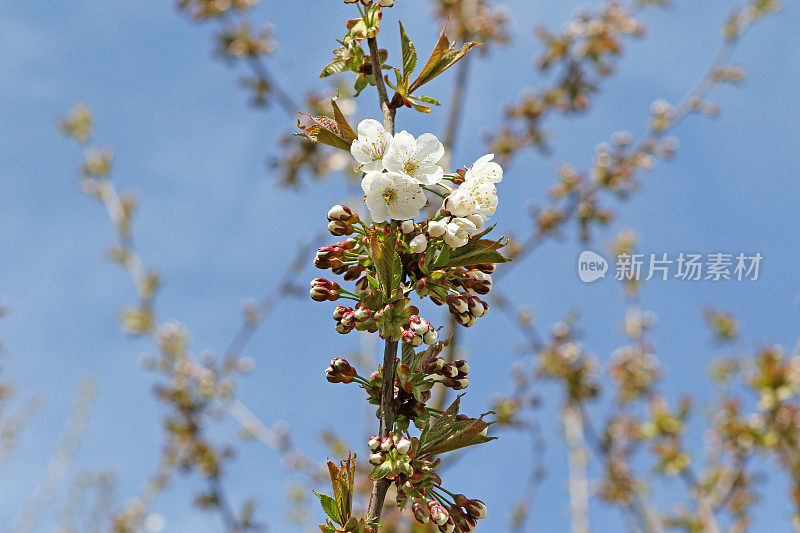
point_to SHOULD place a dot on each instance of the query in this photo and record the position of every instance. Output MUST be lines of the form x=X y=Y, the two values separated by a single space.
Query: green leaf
x=409 y=54
x=325 y=130
x=477 y=252
x=329 y=506
x=344 y=127
x=442 y=57
x=384 y=256
x=426 y=99
x=442 y=258
x=421 y=108
x=334 y=67
x=449 y=433
x=361 y=84
x=407 y=354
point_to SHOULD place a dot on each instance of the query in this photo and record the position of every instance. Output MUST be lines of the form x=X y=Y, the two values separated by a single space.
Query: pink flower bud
x=457 y=304
x=410 y=338
x=387 y=443
x=431 y=336
x=374 y=442
x=340 y=212
x=476 y=509
x=376 y=458
x=438 y=513
x=461 y=383
x=421 y=513
x=403 y=445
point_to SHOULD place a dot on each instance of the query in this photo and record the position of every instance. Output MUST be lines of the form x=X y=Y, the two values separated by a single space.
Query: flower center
x=410 y=166
x=389 y=196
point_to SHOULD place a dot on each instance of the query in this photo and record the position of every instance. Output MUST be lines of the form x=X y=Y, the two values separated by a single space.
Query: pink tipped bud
x=342 y=213
x=403 y=445
x=430 y=337
x=462 y=367
x=376 y=458
x=411 y=338
x=435 y=366
x=340 y=311
x=459 y=384
x=421 y=513
x=448 y=527
x=323 y=289
x=457 y=304
x=476 y=509
x=387 y=443
x=477 y=307
x=438 y=513
x=450 y=371
x=374 y=443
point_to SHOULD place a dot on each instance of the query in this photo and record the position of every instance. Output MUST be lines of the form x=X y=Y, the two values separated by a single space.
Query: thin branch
x=60 y=462
x=386 y=108
x=388 y=414
x=578 y=477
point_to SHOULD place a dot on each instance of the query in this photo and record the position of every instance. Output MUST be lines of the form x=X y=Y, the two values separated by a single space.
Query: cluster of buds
x=392 y=455
x=340 y=371
x=347 y=258
x=454 y=374
x=323 y=289
x=476 y=280
x=460 y=517
x=341 y=219
x=419 y=330
x=361 y=318
x=466 y=308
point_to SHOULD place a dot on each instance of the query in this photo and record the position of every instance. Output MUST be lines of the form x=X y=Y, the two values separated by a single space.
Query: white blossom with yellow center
x=415 y=158
x=478 y=194
x=392 y=195
x=371 y=145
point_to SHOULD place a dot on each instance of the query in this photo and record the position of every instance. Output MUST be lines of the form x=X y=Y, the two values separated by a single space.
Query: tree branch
x=388 y=110
x=388 y=414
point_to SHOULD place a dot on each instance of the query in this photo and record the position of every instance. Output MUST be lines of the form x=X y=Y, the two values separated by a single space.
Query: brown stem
x=388 y=414
x=388 y=110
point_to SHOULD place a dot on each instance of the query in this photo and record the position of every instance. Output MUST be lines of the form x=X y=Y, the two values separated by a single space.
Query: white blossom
x=478 y=194
x=459 y=230
x=371 y=145
x=407 y=226
x=437 y=228
x=419 y=243
x=393 y=195
x=415 y=158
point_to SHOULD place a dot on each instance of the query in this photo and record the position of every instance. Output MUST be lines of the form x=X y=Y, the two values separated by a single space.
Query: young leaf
x=334 y=67
x=449 y=433
x=476 y=252
x=326 y=130
x=409 y=54
x=443 y=57
x=407 y=355
x=384 y=256
x=341 y=121
x=329 y=506
x=426 y=99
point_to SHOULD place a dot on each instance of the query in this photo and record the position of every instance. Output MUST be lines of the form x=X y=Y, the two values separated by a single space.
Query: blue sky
x=218 y=227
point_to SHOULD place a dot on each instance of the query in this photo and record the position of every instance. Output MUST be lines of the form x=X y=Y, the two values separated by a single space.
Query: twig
x=54 y=474
x=386 y=108
x=578 y=478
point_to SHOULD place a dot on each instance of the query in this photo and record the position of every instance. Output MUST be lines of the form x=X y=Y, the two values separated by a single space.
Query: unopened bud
x=387 y=443
x=403 y=445
x=374 y=442
x=376 y=458
x=418 y=244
